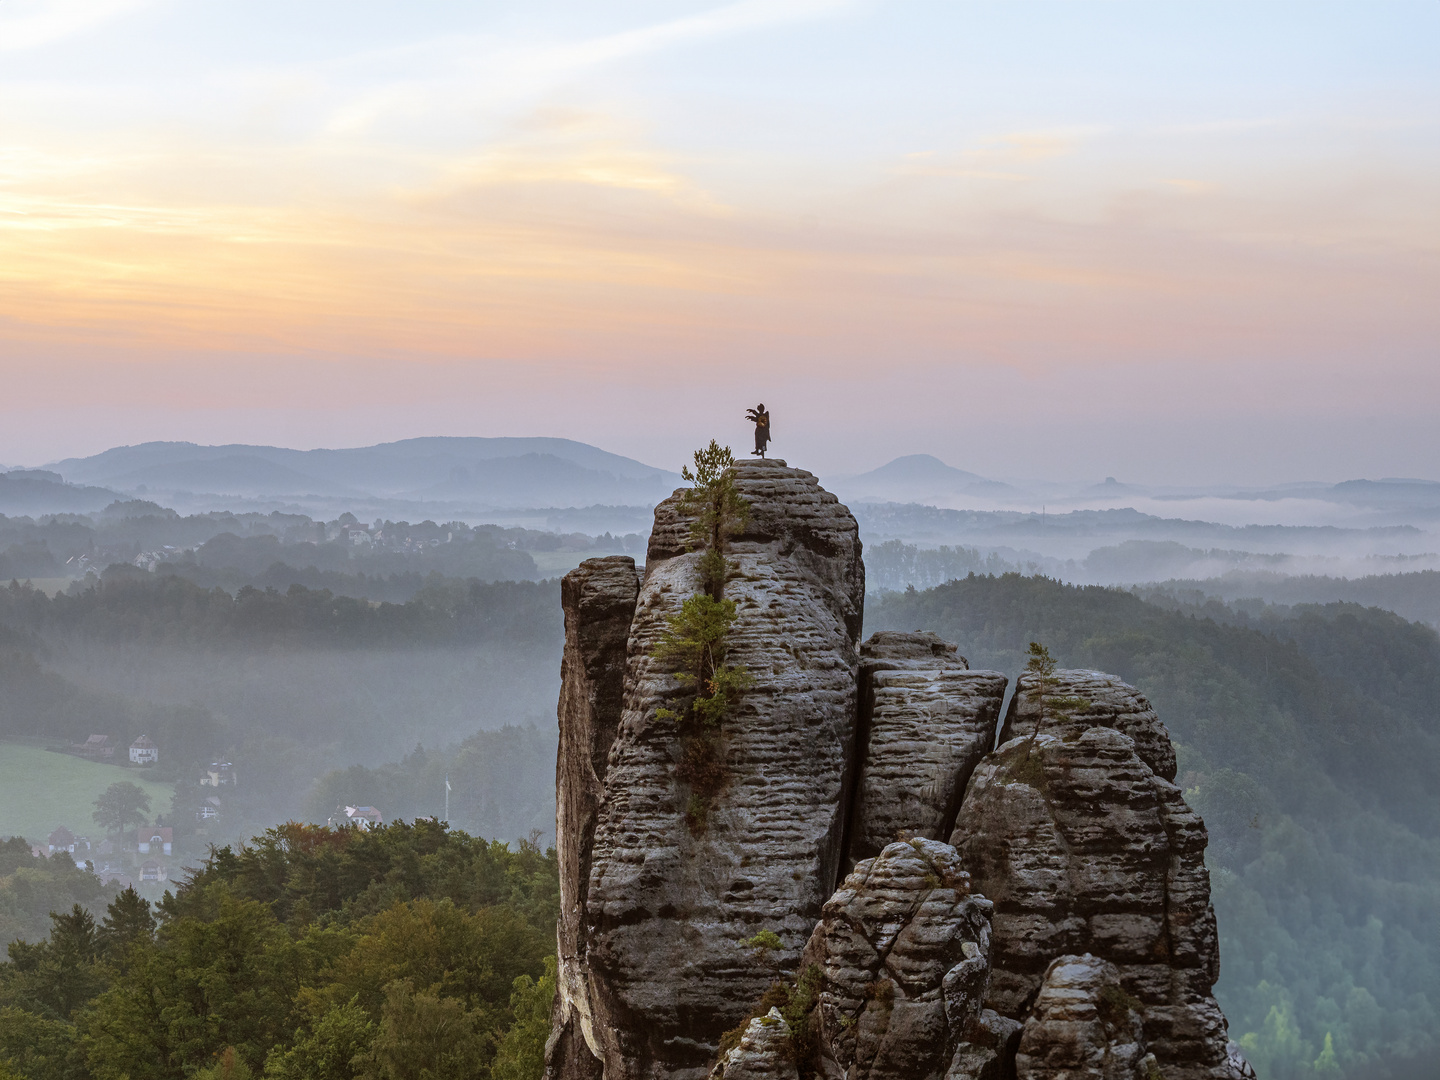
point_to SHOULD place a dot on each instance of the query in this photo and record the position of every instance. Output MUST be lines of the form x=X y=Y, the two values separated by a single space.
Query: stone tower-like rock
x=925 y=722
x=599 y=602
x=1077 y=834
x=661 y=970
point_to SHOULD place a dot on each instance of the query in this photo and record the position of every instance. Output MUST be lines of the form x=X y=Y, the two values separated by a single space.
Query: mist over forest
x=335 y=654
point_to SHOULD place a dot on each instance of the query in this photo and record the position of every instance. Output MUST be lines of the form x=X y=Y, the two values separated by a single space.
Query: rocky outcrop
x=1084 y=848
x=667 y=911
x=1084 y=1027
x=764 y=1052
x=598 y=598
x=925 y=722
x=902 y=951
x=1064 y=931
x=1092 y=699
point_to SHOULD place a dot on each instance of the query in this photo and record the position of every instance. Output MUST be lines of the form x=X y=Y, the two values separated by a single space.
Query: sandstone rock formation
x=1083 y=1027
x=763 y=1053
x=926 y=720
x=666 y=911
x=1108 y=702
x=599 y=602
x=1081 y=942
x=903 y=953
x=1084 y=848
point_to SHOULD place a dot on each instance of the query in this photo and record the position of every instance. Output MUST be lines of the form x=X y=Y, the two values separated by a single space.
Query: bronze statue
x=761 y=420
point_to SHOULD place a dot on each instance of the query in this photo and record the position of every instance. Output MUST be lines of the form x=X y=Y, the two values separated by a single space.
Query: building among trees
x=143 y=751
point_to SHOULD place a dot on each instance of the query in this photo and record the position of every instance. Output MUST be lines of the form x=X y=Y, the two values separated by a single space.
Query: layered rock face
x=1085 y=848
x=926 y=720
x=666 y=912
x=763 y=1053
x=1064 y=931
x=903 y=951
x=1084 y=1026
x=599 y=602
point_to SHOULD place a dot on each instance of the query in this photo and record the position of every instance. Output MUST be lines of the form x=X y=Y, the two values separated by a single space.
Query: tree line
x=311 y=953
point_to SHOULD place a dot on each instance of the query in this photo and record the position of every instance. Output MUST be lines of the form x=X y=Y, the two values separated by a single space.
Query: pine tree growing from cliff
x=1041 y=667
x=718 y=511
x=697 y=636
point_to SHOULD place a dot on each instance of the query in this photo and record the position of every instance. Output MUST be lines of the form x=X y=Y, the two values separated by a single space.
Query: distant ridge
x=483 y=472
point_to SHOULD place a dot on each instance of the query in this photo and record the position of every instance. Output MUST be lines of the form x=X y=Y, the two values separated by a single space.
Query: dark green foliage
x=717 y=510
x=410 y=951
x=521 y=1054
x=31 y=887
x=309 y=871
x=695 y=637
x=1115 y=1007
x=120 y=806
x=796 y=999
x=1309 y=740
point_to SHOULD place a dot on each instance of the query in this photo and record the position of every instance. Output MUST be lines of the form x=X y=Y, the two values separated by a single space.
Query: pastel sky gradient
x=1169 y=242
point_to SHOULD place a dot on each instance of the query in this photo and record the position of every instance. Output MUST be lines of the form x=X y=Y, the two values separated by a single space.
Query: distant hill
x=482 y=473
x=916 y=478
x=30 y=492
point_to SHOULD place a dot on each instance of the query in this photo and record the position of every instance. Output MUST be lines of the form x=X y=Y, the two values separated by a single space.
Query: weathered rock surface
x=763 y=1053
x=1084 y=848
x=903 y=951
x=1109 y=703
x=598 y=598
x=926 y=720
x=666 y=911
x=1083 y=1027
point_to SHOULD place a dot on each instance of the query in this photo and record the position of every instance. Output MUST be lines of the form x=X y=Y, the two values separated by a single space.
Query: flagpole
x=447 y=796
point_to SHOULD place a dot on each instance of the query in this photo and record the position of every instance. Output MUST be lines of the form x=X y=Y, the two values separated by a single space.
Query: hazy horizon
x=1182 y=245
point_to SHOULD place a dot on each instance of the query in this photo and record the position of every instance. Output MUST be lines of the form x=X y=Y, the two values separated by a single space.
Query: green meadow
x=40 y=789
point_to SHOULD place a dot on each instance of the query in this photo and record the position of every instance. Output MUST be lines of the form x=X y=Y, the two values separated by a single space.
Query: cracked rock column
x=667 y=911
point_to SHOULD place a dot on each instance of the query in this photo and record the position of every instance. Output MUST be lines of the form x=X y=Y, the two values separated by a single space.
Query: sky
x=1167 y=242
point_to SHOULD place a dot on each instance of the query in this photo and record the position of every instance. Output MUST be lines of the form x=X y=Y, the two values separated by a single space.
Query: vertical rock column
x=669 y=909
x=926 y=720
x=599 y=601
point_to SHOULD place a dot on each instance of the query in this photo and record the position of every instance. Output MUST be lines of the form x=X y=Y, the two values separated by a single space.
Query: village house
x=218 y=774
x=62 y=839
x=365 y=817
x=98 y=747
x=152 y=870
x=143 y=751
x=154 y=839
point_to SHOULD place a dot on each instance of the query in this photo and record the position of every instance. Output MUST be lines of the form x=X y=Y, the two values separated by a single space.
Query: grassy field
x=40 y=790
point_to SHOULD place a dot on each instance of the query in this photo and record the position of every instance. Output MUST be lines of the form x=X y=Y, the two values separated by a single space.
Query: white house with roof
x=366 y=817
x=143 y=751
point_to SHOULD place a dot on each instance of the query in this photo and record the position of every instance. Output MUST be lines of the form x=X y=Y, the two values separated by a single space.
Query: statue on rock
x=761 y=419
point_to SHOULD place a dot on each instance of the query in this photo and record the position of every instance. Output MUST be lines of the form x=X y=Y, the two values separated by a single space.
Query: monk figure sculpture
x=761 y=419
